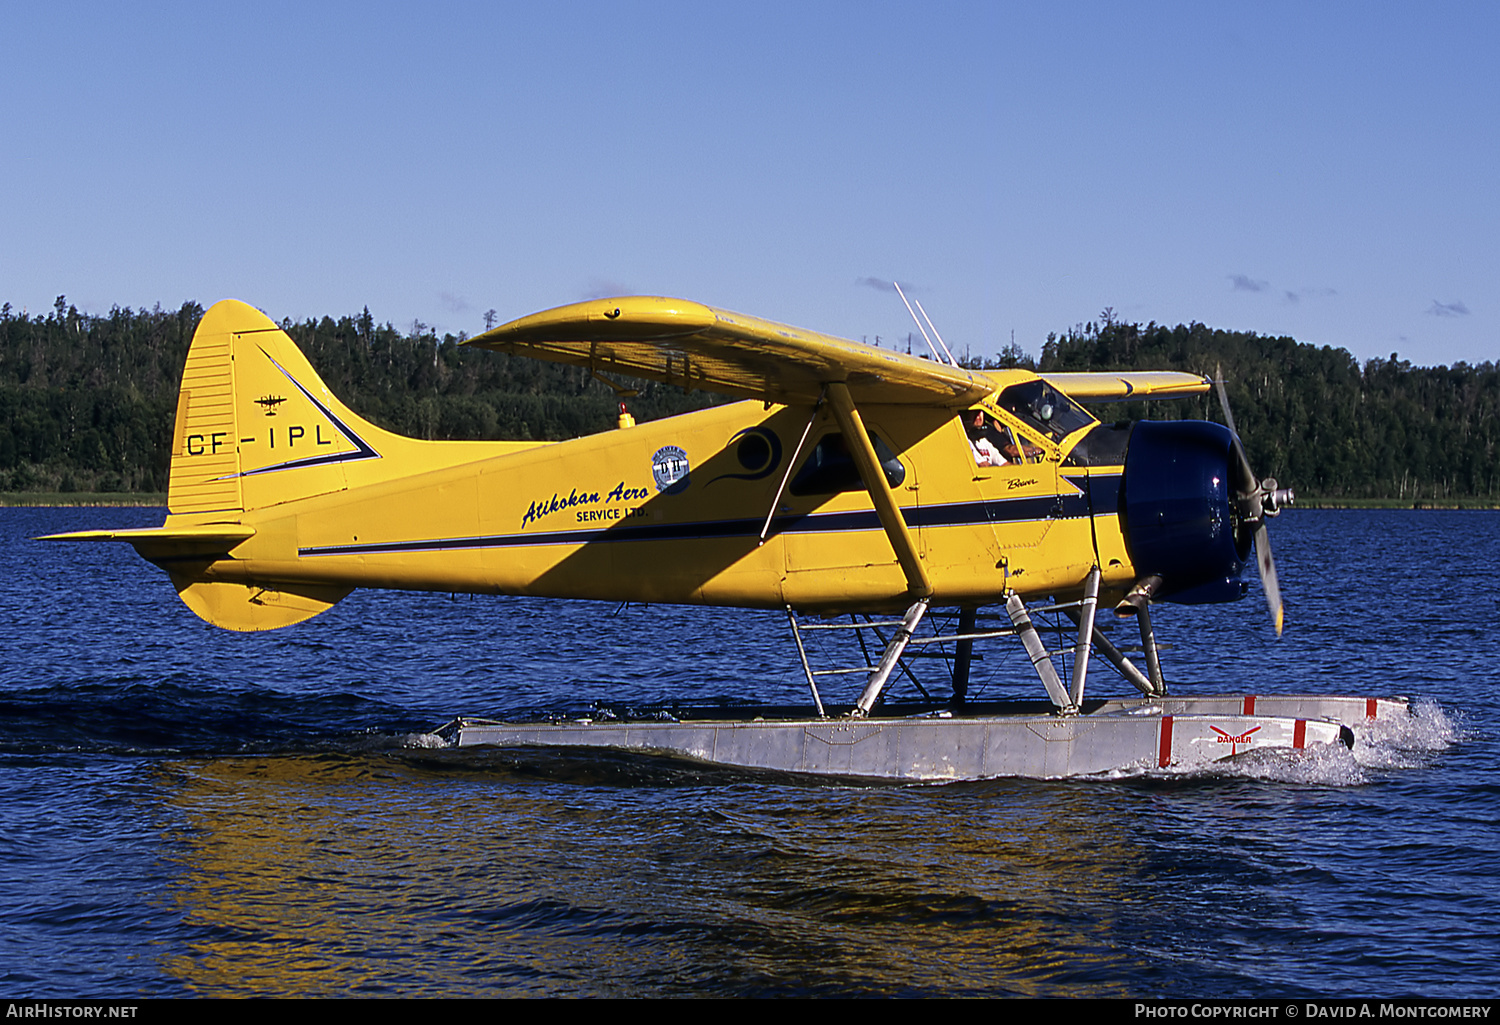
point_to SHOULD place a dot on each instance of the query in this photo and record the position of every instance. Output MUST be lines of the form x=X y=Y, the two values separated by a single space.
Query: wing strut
x=781 y=488
x=865 y=459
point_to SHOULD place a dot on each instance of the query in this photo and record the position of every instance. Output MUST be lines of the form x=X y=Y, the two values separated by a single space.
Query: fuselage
x=282 y=500
x=674 y=510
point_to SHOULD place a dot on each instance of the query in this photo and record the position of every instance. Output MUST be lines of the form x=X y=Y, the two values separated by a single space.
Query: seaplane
x=852 y=488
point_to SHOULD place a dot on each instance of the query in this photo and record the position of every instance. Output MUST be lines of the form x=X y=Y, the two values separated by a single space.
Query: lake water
x=186 y=811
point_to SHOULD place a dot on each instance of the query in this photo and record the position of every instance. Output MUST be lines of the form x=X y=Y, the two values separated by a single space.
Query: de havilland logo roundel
x=669 y=468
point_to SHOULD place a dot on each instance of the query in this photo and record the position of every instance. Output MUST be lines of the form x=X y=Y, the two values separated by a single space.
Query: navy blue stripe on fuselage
x=1105 y=488
x=997 y=512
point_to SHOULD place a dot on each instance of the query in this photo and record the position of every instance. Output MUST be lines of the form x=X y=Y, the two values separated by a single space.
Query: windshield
x=1045 y=408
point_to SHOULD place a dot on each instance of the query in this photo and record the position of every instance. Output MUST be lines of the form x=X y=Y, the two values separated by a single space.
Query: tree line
x=1313 y=416
x=87 y=402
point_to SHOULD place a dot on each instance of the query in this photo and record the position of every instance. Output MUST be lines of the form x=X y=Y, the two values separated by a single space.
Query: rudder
x=205 y=452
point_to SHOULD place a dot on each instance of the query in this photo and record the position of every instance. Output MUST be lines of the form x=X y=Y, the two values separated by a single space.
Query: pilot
x=1019 y=450
x=985 y=452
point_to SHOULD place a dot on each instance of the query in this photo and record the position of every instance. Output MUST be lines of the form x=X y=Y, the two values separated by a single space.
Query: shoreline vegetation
x=87 y=402
x=59 y=500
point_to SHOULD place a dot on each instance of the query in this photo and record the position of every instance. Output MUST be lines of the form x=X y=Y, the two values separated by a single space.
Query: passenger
x=985 y=451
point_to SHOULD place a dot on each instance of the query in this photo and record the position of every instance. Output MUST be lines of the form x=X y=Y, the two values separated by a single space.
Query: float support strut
x=1085 y=634
x=1148 y=643
x=1117 y=658
x=1040 y=660
x=963 y=654
x=888 y=661
x=802 y=654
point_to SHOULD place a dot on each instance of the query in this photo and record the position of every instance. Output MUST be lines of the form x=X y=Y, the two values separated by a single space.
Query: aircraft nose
x=1178 y=513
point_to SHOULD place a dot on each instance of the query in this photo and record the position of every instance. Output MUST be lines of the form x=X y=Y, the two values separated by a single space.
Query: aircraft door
x=1015 y=471
x=829 y=525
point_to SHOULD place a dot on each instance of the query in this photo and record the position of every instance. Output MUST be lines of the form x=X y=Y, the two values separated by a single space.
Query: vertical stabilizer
x=257 y=429
x=256 y=426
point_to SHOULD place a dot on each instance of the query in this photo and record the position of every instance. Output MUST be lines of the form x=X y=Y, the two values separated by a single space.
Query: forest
x=86 y=402
x=1312 y=416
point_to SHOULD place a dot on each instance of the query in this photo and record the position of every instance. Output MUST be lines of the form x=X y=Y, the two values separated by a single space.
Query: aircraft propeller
x=1256 y=501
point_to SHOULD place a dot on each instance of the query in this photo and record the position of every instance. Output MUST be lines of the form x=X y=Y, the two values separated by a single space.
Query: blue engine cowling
x=1177 y=511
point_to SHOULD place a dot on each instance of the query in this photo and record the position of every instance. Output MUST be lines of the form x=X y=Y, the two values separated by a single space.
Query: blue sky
x=1322 y=170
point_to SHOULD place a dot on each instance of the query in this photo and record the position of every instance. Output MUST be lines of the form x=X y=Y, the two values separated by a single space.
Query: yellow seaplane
x=850 y=480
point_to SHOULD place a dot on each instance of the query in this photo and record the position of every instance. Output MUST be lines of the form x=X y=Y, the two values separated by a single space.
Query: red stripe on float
x=1299 y=733
x=1249 y=705
x=1164 y=752
x=1369 y=708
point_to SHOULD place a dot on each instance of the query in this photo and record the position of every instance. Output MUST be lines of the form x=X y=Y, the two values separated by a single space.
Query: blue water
x=186 y=811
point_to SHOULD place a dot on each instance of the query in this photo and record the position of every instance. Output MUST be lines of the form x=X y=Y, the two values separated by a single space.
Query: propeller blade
x=1252 y=505
x=1249 y=484
x=1268 y=582
x=1223 y=397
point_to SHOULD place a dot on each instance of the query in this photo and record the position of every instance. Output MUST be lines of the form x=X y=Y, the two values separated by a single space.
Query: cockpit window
x=1045 y=408
x=995 y=444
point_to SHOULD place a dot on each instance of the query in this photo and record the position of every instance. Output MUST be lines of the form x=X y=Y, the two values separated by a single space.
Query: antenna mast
x=951 y=361
x=920 y=328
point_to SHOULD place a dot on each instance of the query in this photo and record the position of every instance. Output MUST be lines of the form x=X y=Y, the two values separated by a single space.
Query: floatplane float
x=850 y=480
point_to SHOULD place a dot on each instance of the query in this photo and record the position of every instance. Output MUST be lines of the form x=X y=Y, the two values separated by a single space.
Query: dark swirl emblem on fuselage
x=758 y=451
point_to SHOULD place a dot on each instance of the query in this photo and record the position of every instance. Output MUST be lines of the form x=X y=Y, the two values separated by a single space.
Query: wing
x=695 y=346
x=1128 y=385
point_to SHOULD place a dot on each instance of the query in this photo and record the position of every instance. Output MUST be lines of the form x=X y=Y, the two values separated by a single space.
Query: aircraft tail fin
x=255 y=428
x=251 y=409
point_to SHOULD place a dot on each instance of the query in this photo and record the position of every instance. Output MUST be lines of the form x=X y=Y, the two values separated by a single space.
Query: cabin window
x=1044 y=407
x=993 y=443
x=830 y=469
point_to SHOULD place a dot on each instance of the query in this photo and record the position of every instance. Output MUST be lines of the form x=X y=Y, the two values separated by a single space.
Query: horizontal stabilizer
x=170 y=543
x=212 y=532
